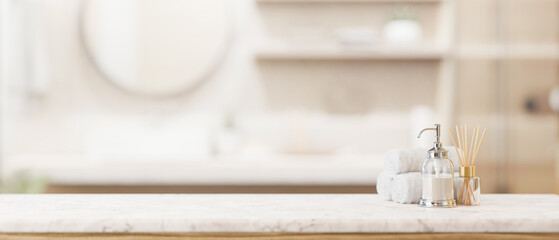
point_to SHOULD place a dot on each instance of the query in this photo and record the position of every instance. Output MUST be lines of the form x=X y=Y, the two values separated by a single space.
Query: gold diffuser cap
x=468 y=171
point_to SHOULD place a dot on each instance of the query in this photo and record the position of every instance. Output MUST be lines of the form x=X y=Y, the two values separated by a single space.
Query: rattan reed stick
x=479 y=145
x=455 y=148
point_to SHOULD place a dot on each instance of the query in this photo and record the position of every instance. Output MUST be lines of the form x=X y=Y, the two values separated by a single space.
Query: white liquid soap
x=438 y=188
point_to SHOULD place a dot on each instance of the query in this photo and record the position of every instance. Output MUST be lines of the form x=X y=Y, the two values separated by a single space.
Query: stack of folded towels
x=401 y=179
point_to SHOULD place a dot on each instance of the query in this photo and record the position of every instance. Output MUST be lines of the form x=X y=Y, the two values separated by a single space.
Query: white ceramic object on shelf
x=403 y=32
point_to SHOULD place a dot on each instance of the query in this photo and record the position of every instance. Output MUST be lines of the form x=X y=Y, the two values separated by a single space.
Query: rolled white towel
x=404 y=160
x=384 y=182
x=411 y=159
x=407 y=188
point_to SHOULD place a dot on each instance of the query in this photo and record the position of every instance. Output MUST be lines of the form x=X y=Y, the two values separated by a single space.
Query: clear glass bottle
x=438 y=176
x=468 y=187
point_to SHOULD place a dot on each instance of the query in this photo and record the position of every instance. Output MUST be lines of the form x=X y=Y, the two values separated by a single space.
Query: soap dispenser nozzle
x=437 y=149
x=437 y=129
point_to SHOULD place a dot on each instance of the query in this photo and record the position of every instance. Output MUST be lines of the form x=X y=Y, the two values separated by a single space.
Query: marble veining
x=269 y=213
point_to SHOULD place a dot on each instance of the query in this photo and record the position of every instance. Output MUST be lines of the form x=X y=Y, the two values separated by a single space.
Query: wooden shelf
x=511 y=51
x=349 y=1
x=350 y=54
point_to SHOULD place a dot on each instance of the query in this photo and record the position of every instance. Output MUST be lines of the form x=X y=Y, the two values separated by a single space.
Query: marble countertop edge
x=261 y=213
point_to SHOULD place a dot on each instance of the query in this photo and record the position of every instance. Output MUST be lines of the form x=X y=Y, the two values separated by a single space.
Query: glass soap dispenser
x=438 y=175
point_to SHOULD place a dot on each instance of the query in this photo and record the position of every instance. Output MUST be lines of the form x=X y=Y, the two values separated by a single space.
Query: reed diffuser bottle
x=467 y=185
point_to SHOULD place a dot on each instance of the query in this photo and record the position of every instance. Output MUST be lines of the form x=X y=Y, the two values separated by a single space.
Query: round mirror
x=156 y=48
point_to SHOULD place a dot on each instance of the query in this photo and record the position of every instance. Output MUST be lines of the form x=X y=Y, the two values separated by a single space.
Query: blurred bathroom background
x=270 y=96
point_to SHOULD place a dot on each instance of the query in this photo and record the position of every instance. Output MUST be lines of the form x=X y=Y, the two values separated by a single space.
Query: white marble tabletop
x=270 y=213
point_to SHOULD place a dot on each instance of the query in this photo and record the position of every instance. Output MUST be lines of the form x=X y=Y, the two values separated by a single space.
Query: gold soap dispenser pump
x=438 y=175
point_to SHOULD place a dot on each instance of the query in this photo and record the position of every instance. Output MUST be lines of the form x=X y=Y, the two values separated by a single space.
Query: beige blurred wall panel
x=519 y=21
x=532 y=137
x=476 y=87
x=531 y=180
x=476 y=21
x=352 y=87
x=290 y=20
x=532 y=141
x=531 y=154
x=526 y=78
x=531 y=21
x=476 y=105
